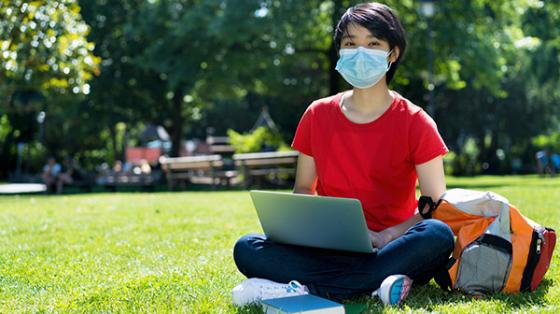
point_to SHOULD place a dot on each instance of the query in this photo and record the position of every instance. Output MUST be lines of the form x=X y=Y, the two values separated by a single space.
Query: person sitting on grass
x=368 y=143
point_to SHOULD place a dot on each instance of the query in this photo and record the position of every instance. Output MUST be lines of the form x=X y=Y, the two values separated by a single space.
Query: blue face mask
x=363 y=67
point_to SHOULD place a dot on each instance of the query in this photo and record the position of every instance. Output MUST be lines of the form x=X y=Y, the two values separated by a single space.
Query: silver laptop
x=313 y=221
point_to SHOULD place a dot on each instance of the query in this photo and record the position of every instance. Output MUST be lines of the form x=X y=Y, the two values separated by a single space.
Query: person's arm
x=431 y=178
x=306 y=175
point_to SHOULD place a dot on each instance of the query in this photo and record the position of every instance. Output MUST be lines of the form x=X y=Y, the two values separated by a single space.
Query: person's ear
x=395 y=53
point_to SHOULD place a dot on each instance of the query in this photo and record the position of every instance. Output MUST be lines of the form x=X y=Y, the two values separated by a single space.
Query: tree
x=123 y=92
x=208 y=50
x=43 y=52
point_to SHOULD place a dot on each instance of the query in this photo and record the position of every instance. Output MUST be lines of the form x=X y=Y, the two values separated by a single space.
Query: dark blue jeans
x=419 y=253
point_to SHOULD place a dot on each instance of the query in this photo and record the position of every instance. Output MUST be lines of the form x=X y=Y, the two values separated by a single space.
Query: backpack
x=497 y=249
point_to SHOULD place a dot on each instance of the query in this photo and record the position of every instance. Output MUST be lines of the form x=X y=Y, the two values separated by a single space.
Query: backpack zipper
x=532 y=259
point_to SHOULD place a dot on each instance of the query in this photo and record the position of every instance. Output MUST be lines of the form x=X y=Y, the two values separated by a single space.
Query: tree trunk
x=333 y=74
x=124 y=144
x=113 y=133
x=332 y=54
x=487 y=157
x=6 y=158
x=178 y=123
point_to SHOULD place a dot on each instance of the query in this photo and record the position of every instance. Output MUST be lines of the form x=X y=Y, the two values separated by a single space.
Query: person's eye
x=373 y=44
x=348 y=44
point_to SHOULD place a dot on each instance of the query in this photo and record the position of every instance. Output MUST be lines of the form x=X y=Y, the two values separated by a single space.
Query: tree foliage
x=43 y=53
x=43 y=45
x=191 y=65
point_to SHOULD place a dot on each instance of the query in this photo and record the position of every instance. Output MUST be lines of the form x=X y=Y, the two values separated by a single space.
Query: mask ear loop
x=390 y=63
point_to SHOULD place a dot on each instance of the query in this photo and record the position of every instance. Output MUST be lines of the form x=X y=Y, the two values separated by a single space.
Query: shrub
x=262 y=139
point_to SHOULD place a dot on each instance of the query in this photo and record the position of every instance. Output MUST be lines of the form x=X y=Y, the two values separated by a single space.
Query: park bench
x=136 y=158
x=84 y=182
x=115 y=180
x=258 y=166
x=219 y=145
x=185 y=169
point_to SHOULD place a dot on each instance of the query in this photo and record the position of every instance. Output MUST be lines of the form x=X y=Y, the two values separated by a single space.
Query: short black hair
x=381 y=21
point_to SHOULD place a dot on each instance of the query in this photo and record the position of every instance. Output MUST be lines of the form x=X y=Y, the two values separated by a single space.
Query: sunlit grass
x=172 y=252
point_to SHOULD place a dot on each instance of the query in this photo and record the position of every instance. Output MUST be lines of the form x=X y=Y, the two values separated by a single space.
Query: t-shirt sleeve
x=302 y=138
x=425 y=141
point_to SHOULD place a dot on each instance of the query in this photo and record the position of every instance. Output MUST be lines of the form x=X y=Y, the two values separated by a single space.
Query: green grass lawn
x=172 y=252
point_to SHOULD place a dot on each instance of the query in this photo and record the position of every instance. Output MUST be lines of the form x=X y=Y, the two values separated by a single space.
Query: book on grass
x=304 y=304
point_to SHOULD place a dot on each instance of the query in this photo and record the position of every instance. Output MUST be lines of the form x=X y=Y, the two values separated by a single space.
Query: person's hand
x=379 y=239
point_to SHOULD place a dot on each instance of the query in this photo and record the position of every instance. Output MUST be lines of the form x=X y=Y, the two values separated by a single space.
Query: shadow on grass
x=519 y=300
x=428 y=297
x=162 y=188
x=155 y=189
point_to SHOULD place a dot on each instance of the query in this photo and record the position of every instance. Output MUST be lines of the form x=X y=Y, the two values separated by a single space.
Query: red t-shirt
x=373 y=162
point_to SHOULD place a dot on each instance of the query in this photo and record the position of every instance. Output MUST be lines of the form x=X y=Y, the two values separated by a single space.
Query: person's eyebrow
x=346 y=35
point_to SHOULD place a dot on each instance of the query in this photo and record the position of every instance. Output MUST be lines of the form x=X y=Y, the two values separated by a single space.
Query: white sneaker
x=254 y=290
x=393 y=289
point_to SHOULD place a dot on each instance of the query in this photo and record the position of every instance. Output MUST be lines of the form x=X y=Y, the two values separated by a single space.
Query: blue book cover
x=308 y=304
